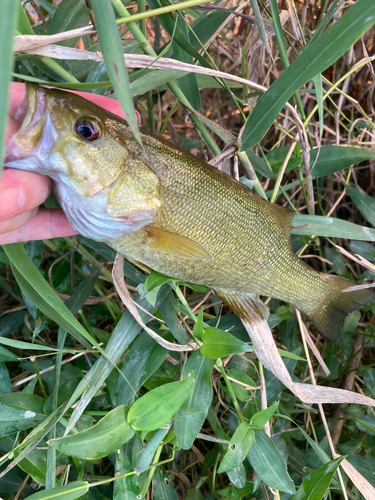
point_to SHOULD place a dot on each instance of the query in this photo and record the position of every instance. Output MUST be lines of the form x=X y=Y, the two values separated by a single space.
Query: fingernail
x=12 y=201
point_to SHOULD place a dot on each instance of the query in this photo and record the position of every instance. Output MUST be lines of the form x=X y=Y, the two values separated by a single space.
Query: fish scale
x=168 y=210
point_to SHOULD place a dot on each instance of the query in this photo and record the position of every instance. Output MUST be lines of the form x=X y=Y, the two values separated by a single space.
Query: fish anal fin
x=175 y=244
x=247 y=306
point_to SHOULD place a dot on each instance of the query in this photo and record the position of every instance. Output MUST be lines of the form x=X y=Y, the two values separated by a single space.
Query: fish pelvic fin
x=247 y=306
x=337 y=304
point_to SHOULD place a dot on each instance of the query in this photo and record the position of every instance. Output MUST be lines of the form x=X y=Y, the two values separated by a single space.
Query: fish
x=167 y=210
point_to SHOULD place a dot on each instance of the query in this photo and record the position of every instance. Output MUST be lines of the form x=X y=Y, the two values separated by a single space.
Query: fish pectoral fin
x=175 y=244
x=247 y=306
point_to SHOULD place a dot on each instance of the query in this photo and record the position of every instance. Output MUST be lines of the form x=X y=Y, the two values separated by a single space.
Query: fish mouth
x=30 y=140
x=31 y=114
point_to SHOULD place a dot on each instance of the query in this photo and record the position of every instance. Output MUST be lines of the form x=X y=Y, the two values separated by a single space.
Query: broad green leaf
x=239 y=390
x=317 y=483
x=366 y=424
x=7 y=355
x=70 y=491
x=327 y=160
x=218 y=344
x=314 y=59
x=151 y=447
x=64 y=392
x=22 y=401
x=126 y=488
x=369 y=378
x=98 y=441
x=7 y=24
x=237 y=476
x=364 y=203
x=163 y=488
x=364 y=249
x=333 y=228
x=169 y=309
x=323 y=457
x=5 y=385
x=13 y=419
x=153 y=280
x=365 y=465
x=141 y=361
x=125 y=332
x=260 y=419
x=276 y=158
x=192 y=414
x=267 y=462
x=110 y=44
x=69 y=15
x=35 y=464
x=158 y=406
x=239 y=446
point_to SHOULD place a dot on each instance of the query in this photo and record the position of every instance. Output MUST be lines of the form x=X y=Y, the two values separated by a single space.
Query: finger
x=18 y=92
x=12 y=127
x=21 y=191
x=16 y=222
x=45 y=225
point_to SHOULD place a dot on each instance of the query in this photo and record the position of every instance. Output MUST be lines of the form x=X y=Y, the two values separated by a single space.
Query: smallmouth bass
x=169 y=211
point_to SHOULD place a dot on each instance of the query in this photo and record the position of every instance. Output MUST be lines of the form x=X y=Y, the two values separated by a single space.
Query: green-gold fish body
x=171 y=212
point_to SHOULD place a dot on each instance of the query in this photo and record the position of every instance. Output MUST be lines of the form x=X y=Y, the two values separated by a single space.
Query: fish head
x=85 y=150
x=67 y=138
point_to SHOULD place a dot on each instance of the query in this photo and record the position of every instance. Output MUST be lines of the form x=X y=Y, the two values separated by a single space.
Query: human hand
x=22 y=192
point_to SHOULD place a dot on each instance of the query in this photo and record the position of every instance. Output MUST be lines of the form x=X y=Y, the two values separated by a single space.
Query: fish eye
x=87 y=129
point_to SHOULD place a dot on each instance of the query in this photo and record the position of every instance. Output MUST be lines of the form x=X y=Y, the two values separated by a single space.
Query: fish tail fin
x=337 y=304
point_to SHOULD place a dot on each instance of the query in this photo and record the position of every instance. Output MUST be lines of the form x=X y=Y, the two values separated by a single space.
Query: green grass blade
x=319 y=99
x=7 y=26
x=331 y=228
x=110 y=44
x=23 y=24
x=364 y=203
x=314 y=59
x=327 y=160
x=43 y=296
x=69 y=491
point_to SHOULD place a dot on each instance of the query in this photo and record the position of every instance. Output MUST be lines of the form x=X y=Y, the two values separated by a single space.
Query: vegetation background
x=73 y=360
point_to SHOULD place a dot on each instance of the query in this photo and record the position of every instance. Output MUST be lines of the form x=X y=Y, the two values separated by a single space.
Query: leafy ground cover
x=90 y=405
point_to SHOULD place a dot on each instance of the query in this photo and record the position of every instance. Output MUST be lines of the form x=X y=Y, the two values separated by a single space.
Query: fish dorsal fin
x=175 y=244
x=247 y=306
x=285 y=217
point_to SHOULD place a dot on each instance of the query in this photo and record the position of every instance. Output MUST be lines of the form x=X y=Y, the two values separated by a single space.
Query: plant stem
x=147 y=49
x=219 y=364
